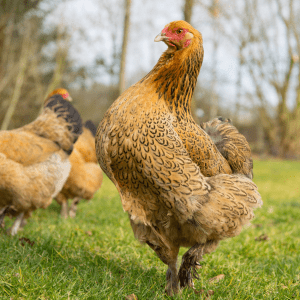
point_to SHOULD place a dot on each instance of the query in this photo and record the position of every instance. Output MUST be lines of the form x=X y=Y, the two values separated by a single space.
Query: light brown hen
x=34 y=160
x=177 y=187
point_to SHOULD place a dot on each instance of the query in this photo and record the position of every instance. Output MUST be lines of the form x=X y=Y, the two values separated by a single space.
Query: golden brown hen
x=34 y=160
x=160 y=162
x=86 y=176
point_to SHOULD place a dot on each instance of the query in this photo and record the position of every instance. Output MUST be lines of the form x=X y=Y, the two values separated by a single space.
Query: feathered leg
x=190 y=261
x=15 y=227
x=169 y=257
x=73 y=208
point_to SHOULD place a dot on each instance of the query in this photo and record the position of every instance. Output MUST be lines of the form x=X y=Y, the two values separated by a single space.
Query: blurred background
x=97 y=48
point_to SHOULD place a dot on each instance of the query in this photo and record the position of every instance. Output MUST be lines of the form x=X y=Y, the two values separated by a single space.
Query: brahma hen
x=86 y=176
x=34 y=160
x=178 y=189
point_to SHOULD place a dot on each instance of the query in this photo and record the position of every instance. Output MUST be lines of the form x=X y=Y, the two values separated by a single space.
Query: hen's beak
x=161 y=37
x=69 y=98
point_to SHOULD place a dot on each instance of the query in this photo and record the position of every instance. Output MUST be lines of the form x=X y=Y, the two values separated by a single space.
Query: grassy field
x=95 y=255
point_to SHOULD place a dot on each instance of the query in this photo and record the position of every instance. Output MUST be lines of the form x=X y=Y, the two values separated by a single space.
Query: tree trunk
x=61 y=56
x=214 y=11
x=124 y=47
x=188 y=10
x=19 y=80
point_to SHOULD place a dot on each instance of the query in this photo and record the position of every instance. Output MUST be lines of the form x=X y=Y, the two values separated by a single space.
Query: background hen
x=150 y=147
x=34 y=160
x=86 y=176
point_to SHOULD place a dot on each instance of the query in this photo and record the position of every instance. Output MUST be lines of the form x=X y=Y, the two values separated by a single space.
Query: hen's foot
x=189 y=265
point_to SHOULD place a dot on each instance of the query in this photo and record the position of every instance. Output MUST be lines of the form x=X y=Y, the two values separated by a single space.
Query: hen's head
x=178 y=35
x=64 y=109
x=63 y=92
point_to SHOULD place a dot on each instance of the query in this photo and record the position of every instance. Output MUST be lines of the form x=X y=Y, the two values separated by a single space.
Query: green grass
x=95 y=255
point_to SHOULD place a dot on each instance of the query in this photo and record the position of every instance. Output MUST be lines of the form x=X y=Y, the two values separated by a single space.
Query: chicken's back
x=25 y=147
x=86 y=146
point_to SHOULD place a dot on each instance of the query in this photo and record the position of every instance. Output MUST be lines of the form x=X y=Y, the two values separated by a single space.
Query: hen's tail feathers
x=231 y=144
x=67 y=111
x=228 y=206
x=91 y=126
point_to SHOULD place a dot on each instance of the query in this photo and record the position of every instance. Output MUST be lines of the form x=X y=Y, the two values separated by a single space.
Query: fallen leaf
x=131 y=297
x=202 y=291
x=88 y=233
x=284 y=287
x=199 y=292
x=217 y=278
x=26 y=240
x=257 y=225
x=262 y=237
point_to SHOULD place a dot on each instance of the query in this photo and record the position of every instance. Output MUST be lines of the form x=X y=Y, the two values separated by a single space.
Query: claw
x=195 y=273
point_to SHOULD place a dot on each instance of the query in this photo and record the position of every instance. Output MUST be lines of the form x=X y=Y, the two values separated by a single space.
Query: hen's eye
x=179 y=31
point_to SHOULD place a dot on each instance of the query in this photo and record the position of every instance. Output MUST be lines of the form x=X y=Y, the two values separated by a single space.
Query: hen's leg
x=64 y=210
x=73 y=208
x=15 y=227
x=23 y=223
x=3 y=212
x=190 y=261
x=169 y=257
x=63 y=201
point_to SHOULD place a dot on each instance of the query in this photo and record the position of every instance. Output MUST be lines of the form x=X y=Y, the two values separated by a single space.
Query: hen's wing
x=25 y=147
x=201 y=148
x=151 y=168
x=231 y=144
x=25 y=188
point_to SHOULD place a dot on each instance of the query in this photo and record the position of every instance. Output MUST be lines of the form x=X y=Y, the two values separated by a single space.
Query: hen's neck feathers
x=174 y=77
